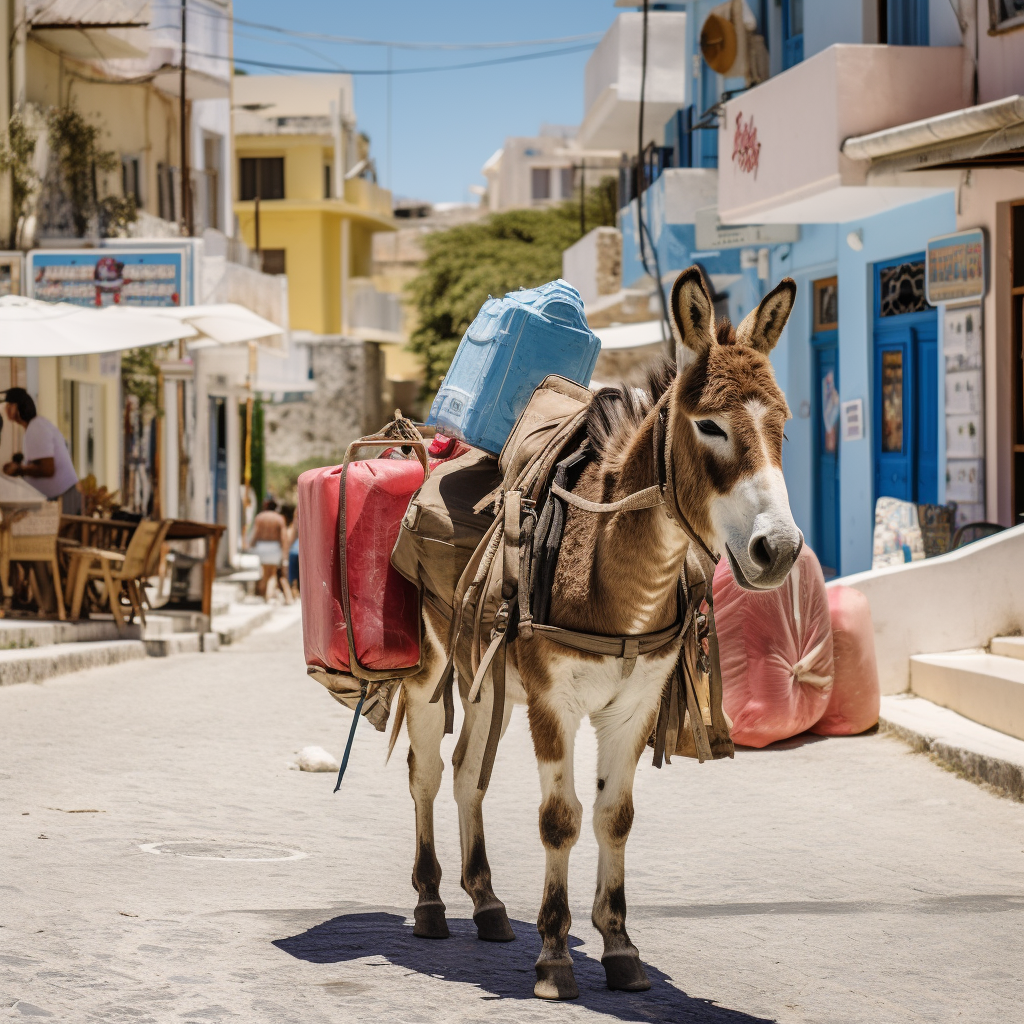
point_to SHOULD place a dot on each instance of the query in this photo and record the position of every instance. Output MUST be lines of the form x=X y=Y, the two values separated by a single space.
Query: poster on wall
x=962 y=347
x=956 y=267
x=107 y=277
x=10 y=273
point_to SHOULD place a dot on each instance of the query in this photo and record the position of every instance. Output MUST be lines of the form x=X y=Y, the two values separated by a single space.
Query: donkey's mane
x=616 y=414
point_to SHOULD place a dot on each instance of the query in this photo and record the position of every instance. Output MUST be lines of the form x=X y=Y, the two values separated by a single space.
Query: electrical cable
x=666 y=332
x=356 y=41
x=338 y=70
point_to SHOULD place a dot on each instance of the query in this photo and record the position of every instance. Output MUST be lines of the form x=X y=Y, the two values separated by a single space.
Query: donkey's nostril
x=761 y=552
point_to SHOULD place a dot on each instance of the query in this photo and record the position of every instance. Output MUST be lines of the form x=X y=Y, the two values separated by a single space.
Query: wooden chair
x=30 y=535
x=116 y=569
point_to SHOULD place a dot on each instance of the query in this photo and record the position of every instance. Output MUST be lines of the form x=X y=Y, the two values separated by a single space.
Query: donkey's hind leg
x=489 y=913
x=622 y=730
x=425 y=722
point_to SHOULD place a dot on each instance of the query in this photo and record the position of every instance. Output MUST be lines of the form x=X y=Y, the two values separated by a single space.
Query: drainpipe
x=967 y=16
x=6 y=198
x=20 y=37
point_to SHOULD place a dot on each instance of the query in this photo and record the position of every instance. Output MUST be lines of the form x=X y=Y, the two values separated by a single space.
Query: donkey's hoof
x=625 y=973
x=555 y=980
x=429 y=922
x=492 y=924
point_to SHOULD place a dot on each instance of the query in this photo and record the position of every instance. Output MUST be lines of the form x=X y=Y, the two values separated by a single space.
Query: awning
x=647 y=332
x=225 y=323
x=988 y=135
x=30 y=328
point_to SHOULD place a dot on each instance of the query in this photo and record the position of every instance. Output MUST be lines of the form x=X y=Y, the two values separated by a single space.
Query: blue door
x=792 y=32
x=906 y=420
x=826 y=451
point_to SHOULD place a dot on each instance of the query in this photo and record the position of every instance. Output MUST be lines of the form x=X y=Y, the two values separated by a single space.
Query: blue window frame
x=792 y=32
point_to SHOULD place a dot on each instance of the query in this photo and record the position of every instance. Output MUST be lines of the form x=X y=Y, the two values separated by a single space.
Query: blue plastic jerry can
x=511 y=346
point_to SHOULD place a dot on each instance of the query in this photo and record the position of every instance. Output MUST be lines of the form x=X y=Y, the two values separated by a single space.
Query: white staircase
x=985 y=686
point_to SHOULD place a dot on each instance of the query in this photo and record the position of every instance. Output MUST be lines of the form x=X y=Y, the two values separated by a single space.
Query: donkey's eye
x=709 y=428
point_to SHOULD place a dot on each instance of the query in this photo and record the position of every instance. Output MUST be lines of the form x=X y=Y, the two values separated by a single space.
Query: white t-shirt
x=44 y=441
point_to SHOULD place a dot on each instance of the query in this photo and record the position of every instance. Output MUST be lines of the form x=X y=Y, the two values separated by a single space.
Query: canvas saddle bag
x=490 y=602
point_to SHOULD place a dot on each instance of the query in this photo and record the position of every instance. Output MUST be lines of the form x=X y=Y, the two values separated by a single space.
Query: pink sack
x=776 y=652
x=855 y=695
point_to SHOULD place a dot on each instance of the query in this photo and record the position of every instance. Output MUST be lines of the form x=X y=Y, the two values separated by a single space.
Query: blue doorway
x=906 y=384
x=825 y=389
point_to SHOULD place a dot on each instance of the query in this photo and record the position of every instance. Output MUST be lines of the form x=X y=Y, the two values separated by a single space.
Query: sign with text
x=713 y=234
x=956 y=267
x=107 y=277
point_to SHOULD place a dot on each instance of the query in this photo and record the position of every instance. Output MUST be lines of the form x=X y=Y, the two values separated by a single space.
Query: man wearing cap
x=46 y=462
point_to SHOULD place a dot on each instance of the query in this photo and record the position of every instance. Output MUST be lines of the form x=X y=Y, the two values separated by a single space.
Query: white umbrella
x=29 y=327
x=224 y=323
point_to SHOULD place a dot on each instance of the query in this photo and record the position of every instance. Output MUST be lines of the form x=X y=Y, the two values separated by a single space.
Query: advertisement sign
x=956 y=267
x=107 y=277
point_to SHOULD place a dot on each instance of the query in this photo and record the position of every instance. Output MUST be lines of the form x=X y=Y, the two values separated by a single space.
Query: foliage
x=281 y=479
x=16 y=151
x=139 y=377
x=507 y=251
x=258 y=453
x=75 y=145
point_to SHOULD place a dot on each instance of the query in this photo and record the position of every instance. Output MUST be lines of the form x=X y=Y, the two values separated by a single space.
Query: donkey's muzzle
x=774 y=554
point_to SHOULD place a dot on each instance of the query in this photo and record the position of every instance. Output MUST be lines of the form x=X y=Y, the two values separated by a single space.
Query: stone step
x=182 y=643
x=26 y=633
x=1008 y=646
x=974 y=751
x=34 y=664
x=986 y=688
x=241 y=620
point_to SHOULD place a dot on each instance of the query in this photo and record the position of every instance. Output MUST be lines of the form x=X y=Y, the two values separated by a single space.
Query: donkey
x=617 y=574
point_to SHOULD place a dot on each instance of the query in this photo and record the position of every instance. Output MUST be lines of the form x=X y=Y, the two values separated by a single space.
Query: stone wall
x=345 y=405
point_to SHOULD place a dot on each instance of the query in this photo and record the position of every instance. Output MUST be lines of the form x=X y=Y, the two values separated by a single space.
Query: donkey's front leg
x=622 y=730
x=489 y=913
x=554 y=736
x=425 y=722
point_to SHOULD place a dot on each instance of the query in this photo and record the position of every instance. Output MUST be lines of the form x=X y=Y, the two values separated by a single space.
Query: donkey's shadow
x=503 y=970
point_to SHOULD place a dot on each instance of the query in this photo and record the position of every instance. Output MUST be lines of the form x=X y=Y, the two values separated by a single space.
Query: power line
x=395 y=71
x=356 y=41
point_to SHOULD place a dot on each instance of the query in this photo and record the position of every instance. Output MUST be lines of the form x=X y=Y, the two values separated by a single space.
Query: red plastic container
x=384 y=604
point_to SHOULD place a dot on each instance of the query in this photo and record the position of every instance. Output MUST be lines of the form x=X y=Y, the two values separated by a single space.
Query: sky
x=444 y=125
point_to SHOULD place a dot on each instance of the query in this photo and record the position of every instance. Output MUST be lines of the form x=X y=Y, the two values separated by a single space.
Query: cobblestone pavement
x=831 y=881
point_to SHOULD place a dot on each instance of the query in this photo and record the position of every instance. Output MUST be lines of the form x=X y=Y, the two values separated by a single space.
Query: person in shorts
x=269 y=539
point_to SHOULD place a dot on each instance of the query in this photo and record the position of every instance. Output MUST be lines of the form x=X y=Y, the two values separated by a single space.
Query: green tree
x=466 y=264
x=16 y=150
x=80 y=159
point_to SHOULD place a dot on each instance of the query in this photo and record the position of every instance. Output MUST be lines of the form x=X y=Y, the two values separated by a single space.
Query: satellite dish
x=718 y=43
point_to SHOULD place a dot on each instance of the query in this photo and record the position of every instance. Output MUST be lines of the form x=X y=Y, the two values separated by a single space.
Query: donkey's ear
x=762 y=327
x=692 y=316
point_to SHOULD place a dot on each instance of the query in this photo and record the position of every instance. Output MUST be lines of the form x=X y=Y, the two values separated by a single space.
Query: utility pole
x=583 y=197
x=186 y=185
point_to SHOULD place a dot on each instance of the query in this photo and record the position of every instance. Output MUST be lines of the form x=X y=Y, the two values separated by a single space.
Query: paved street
x=837 y=880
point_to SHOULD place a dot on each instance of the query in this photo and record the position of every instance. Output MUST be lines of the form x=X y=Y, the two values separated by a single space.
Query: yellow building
x=298 y=152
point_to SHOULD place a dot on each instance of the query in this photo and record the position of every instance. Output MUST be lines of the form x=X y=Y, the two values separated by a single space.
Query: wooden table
x=188 y=529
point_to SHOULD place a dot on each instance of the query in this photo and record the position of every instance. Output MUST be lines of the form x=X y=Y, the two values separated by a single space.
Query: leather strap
x=611 y=646
x=649 y=497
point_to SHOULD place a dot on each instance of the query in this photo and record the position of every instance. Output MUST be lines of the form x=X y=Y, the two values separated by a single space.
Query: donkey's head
x=726 y=419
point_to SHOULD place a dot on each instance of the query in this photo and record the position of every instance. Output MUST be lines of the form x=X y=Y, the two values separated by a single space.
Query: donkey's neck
x=618 y=572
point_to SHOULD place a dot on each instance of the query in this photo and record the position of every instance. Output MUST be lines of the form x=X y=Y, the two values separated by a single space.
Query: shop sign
x=956 y=267
x=107 y=277
x=713 y=234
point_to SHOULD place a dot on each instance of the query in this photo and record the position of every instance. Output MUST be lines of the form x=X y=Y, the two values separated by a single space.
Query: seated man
x=46 y=463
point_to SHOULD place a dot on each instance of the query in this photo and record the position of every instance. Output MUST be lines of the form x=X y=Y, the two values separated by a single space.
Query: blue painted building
x=820 y=160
